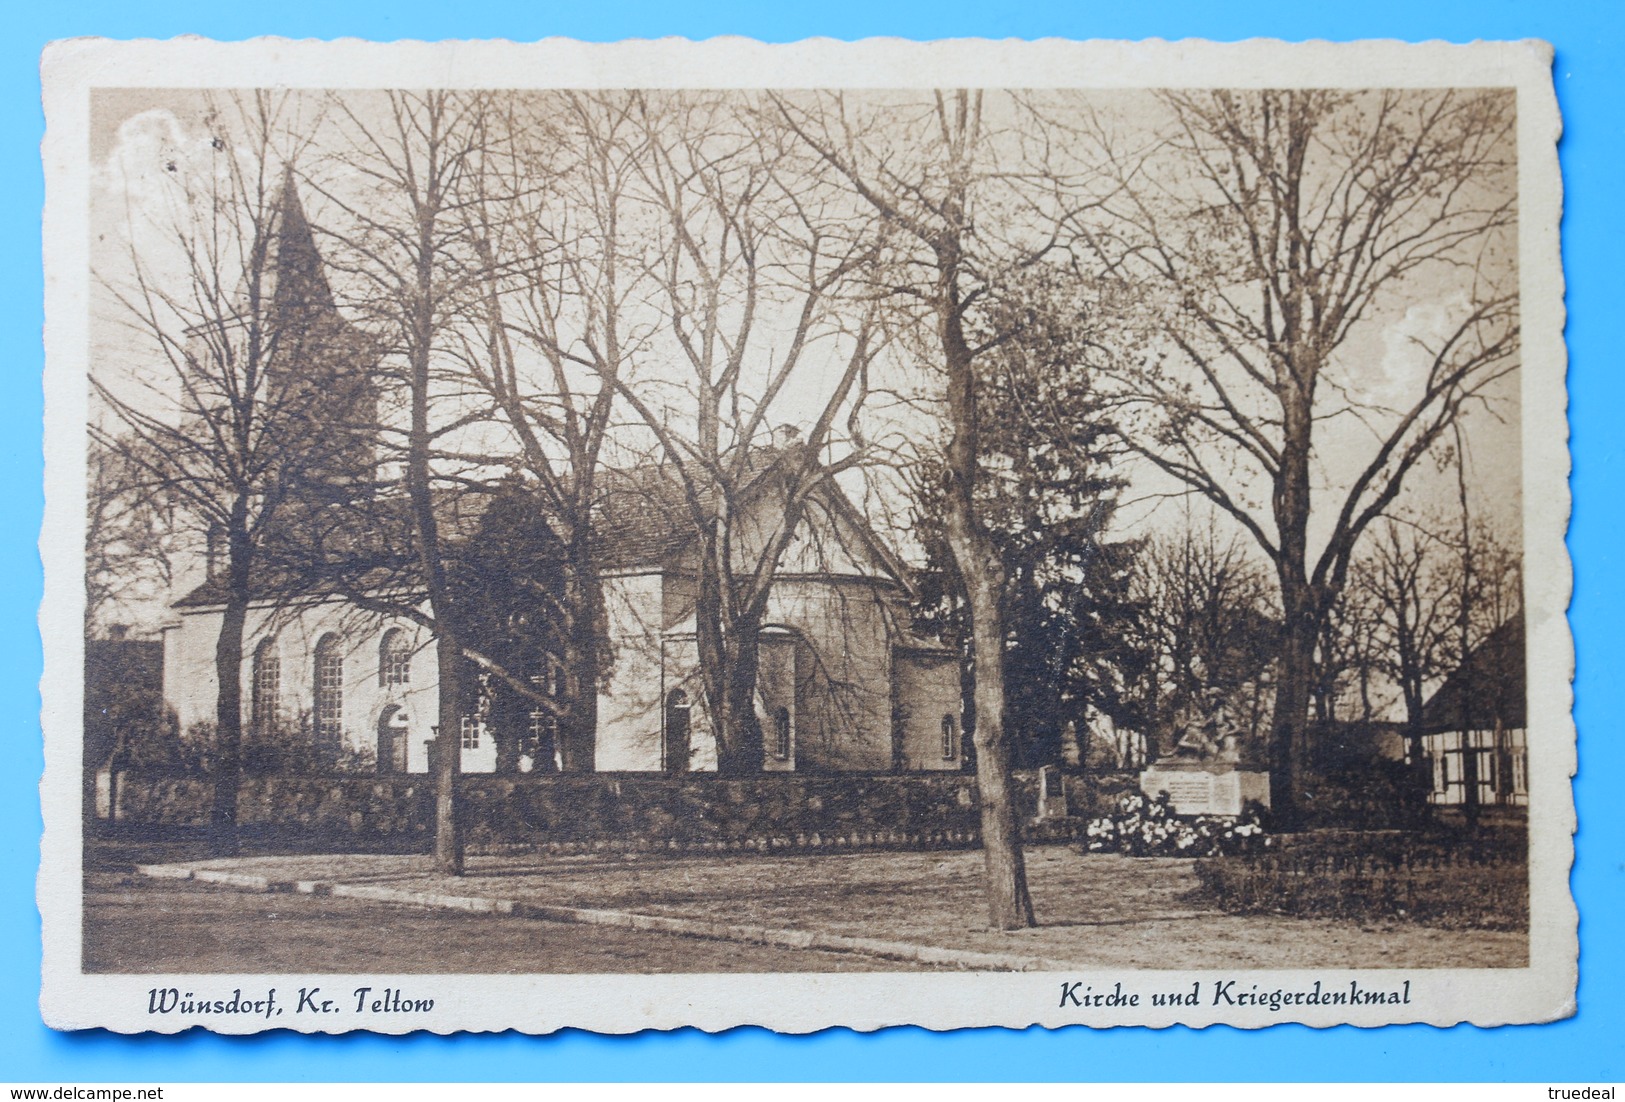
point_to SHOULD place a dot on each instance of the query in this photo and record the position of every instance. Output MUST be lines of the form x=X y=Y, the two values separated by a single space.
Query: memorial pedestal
x=1206 y=787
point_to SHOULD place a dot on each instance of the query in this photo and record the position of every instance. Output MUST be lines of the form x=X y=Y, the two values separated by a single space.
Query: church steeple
x=321 y=362
x=289 y=264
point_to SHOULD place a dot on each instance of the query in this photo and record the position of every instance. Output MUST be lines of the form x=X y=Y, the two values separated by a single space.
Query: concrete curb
x=780 y=938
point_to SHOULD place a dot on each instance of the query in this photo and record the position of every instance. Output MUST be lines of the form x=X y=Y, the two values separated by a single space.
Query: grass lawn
x=1098 y=911
x=137 y=925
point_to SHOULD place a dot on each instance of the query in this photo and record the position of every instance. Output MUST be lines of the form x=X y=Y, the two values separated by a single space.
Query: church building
x=844 y=684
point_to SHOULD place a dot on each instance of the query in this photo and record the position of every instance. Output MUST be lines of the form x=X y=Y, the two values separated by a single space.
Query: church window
x=472 y=730
x=781 y=734
x=950 y=737
x=214 y=550
x=329 y=690
x=538 y=732
x=394 y=659
x=266 y=688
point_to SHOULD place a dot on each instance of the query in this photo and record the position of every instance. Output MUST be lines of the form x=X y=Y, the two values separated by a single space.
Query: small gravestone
x=1051 y=794
x=106 y=782
x=1071 y=747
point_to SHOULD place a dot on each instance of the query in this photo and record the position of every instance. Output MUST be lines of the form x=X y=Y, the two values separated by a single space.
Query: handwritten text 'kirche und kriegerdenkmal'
x=308 y=1000
x=1233 y=993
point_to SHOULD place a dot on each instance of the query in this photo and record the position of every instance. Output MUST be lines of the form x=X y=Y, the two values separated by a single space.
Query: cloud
x=141 y=184
x=1409 y=345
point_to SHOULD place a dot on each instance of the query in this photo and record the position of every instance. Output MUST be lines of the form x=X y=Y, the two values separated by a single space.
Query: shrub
x=1142 y=826
x=1368 y=795
x=1442 y=879
x=290 y=748
x=162 y=746
x=1104 y=793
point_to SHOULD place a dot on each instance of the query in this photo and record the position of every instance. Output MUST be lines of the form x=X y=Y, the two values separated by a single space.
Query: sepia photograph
x=942 y=528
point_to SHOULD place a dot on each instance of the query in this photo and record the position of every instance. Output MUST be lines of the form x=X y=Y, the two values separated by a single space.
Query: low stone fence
x=289 y=810
x=695 y=812
x=589 y=812
x=570 y=812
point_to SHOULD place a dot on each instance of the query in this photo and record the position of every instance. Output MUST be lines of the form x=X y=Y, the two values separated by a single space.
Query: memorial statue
x=1200 y=740
x=1204 y=773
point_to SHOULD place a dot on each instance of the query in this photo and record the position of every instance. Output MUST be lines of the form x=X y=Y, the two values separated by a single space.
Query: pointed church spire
x=293 y=276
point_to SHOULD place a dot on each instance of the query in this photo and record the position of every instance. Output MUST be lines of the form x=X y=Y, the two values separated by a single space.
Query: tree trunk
x=228 y=731
x=446 y=760
x=1302 y=620
x=228 y=670
x=729 y=658
x=744 y=726
x=1009 y=904
x=578 y=727
x=1421 y=771
x=1291 y=714
x=728 y=654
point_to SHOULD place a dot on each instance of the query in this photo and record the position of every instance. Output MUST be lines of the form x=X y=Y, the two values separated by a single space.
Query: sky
x=143 y=140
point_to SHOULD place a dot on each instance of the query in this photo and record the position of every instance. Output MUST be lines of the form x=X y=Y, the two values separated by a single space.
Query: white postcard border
x=795 y=1003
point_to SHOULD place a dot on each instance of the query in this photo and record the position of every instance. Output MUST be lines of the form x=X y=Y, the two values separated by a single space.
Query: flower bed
x=1141 y=826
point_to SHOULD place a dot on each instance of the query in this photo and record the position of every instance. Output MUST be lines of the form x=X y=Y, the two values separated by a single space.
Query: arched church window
x=950 y=737
x=473 y=728
x=266 y=688
x=781 y=734
x=329 y=682
x=394 y=659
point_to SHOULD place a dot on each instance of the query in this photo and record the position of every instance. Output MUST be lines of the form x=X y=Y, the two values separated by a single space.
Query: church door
x=675 y=751
x=392 y=740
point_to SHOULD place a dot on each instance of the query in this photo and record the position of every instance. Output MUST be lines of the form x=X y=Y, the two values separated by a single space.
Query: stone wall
x=583 y=812
x=604 y=811
x=575 y=812
x=311 y=811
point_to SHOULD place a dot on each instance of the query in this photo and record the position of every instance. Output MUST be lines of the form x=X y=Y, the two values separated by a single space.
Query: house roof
x=1487 y=689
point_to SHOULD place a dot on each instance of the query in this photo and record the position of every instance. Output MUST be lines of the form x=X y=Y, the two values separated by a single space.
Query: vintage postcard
x=673 y=534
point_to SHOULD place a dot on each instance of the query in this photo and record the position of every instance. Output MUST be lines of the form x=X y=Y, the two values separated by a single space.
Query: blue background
x=1590 y=73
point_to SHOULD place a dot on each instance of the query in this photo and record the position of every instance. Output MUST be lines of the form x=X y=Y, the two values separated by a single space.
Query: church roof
x=642 y=521
x=642 y=518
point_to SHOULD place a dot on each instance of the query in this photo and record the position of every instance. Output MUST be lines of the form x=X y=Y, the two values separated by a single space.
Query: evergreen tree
x=1047 y=496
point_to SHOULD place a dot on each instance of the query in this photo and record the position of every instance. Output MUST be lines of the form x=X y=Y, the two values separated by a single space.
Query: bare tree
x=1277 y=229
x=128 y=533
x=1408 y=572
x=965 y=199
x=406 y=245
x=1350 y=648
x=557 y=233
x=1211 y=622
x=743 y=253
x=251 y=351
